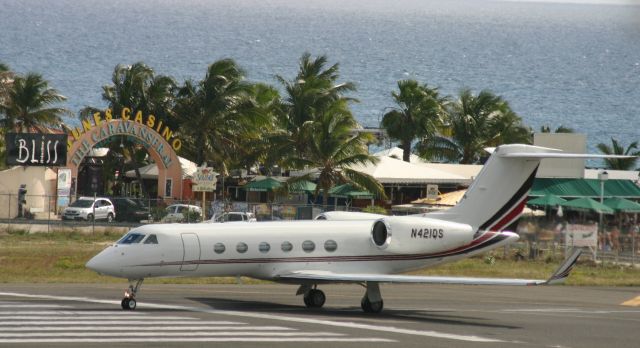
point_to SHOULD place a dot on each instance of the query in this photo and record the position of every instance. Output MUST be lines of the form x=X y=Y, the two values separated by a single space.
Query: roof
x=468 y=171
x=394 y=171
x=150 y=171
x=575 y=188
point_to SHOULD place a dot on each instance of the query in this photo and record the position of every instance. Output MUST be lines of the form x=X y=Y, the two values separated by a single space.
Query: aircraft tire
x=371 y=307
x=132 y=304
x=315 y=299
x=125 y=303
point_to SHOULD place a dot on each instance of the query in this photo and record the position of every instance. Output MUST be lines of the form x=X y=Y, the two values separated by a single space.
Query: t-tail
x=497 y=197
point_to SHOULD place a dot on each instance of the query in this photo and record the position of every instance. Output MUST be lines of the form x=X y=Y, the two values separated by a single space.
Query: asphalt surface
x=89 y=315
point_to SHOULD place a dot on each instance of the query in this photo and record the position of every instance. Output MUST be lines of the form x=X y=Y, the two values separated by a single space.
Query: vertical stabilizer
x=498 y=195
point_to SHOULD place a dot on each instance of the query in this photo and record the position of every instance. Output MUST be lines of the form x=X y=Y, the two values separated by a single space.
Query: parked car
x=234 y=216
x=131 y=210
x=84 y=208
x=182 y=213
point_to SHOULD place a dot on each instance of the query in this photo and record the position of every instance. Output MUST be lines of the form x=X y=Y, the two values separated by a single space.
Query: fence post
x=48 y=213
x=9 y=216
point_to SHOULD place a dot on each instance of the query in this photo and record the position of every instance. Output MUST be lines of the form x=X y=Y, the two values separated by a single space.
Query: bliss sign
x=36 y=149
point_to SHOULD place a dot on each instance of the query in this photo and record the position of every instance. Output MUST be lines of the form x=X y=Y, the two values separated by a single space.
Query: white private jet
x=365 y=249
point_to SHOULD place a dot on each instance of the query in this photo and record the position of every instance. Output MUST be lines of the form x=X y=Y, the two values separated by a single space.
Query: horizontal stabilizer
x=559 y=155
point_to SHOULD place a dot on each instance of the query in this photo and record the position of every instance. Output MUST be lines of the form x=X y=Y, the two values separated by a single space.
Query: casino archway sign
x=158 y=139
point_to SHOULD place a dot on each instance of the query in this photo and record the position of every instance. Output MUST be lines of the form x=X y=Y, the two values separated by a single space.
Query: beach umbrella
x=586 y=204
x=548 y=200
x=264 y=185
x=622 y=205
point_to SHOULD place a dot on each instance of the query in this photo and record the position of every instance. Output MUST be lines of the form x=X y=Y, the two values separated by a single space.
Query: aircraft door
x=191 y=251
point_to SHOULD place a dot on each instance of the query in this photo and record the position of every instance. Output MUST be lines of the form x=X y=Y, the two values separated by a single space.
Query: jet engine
x=406 y=235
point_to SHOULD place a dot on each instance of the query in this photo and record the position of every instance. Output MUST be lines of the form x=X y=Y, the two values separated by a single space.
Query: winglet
x=561 y=274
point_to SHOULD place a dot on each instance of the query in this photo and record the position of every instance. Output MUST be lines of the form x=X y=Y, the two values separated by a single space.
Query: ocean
x=575 y=63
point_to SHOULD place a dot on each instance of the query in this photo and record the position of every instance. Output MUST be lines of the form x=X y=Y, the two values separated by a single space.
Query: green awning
x=621 y=205
x=575 y=188
x=264 y=185
x=349 y=191
x=302 y=186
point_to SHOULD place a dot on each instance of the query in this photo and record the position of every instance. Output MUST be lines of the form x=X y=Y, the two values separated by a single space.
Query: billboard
x=36 y=149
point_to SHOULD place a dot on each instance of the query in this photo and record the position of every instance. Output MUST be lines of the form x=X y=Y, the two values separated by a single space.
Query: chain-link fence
x=541 y=237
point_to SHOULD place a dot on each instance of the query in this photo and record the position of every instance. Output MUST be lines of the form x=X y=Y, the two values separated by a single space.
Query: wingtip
x=562 y=273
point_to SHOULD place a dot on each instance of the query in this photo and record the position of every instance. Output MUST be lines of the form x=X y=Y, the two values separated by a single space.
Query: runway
x=33 y=315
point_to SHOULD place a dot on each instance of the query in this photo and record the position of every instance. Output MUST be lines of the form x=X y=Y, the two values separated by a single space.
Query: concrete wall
x=41 y=190
x=561 y=168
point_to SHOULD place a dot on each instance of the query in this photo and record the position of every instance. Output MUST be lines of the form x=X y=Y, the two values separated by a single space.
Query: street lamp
x=602 y=176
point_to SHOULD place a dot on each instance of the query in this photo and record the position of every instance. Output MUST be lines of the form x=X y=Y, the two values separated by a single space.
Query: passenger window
x=219 y=248
x=152 y=239
x=286 y=247
x=308 y=246
x=264 y=247
x=330 y=245
x=235 y=217
x=242 y=248
x=131 y=238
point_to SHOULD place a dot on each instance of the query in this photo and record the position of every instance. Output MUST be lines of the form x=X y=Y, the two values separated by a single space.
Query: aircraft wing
x=331 y=277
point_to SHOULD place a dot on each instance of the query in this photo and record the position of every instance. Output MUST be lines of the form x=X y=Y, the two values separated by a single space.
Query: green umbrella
x=587 y=204
x=348 y=191
x=548 y=200
x=621 y=205
x=264 y=185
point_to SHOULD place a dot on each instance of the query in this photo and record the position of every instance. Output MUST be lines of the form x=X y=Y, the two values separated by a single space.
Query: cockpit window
x=152 y=239
x=131 y=238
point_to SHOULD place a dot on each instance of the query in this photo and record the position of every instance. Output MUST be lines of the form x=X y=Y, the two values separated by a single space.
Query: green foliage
x=374 y=209
x=419 y=114
x=618 y=149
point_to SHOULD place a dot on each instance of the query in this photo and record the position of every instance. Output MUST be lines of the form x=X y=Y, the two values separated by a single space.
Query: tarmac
x=81 y=315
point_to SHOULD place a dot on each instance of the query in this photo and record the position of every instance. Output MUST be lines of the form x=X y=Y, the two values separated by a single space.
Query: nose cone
x=102 y=263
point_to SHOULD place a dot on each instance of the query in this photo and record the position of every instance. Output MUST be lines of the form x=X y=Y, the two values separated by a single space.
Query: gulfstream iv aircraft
x=355 y=248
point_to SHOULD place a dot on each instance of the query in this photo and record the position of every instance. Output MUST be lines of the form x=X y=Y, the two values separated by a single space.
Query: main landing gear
x=129 y=300
x=313 y=298
x=371 y=302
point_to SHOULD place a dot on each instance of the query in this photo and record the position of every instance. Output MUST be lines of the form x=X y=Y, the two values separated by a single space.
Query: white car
x=88 y=208
x=182 y=213
x=234 y=216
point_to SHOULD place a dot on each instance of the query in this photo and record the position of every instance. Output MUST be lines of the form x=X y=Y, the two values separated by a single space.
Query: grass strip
x=60 y=258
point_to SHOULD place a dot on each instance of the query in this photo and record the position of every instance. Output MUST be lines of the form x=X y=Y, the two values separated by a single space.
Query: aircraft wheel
x=125 y=303
x=315 y=299
x=371 y=307
x=132 y=304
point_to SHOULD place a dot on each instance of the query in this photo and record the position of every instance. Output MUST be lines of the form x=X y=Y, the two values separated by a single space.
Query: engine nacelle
x=419 y=235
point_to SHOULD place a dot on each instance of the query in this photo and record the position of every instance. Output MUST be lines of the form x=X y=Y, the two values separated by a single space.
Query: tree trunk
x=406 y=150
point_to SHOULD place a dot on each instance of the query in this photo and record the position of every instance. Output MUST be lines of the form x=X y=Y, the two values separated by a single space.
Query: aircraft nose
x=99 y=263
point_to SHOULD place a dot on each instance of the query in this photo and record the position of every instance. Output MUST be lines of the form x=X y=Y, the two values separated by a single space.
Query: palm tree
x=418 y=116
x=560 y=129
x=216 y=113
x=138 y=88
x=29 y=103
x=475 y=122
x=333 y=148
x=618 y=149
x=308 y=95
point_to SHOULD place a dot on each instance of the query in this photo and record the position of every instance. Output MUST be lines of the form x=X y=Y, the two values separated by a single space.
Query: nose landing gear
x=129 y=300
x=313 y=298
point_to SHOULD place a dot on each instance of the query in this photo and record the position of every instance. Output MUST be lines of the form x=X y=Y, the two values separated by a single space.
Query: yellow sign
x=148 y=130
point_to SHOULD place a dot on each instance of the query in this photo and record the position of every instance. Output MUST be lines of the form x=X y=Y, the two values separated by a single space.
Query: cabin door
x=191 y=252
